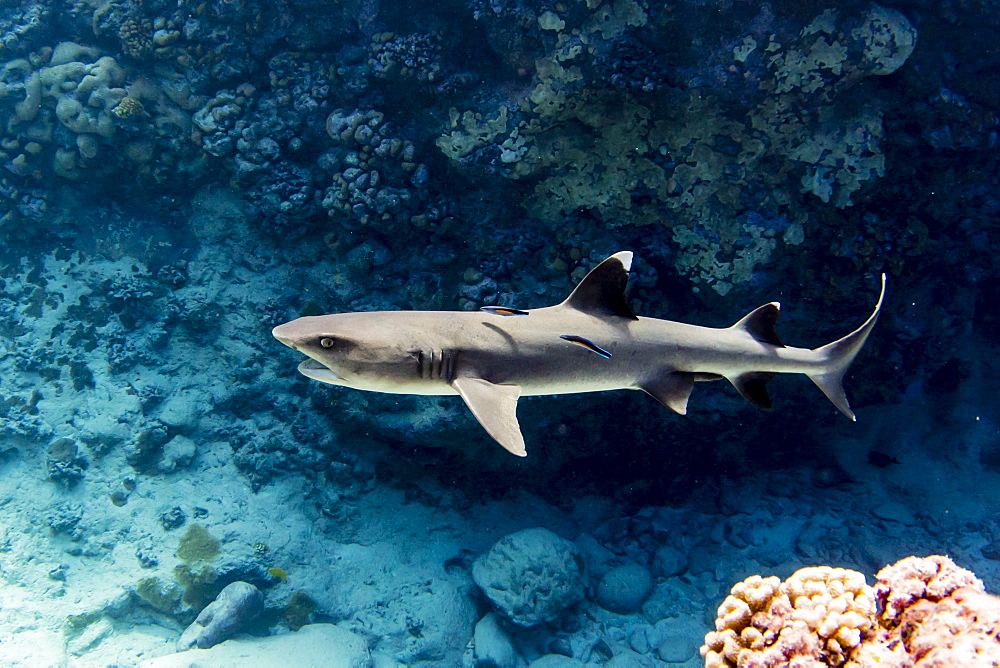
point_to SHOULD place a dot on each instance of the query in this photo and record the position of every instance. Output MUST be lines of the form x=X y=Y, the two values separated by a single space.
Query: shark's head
x=355 y=350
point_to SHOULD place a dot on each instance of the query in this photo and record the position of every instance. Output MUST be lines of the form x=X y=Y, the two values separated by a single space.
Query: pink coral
x=796 y=647
x=913 y=578
x=931 y=614
x=960 y=630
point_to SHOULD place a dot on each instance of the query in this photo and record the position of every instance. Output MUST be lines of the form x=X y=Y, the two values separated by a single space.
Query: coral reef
x=628 y=162
x=203 y=99
x=930 y=613
x=401 y=57
x=376 y=178
x=178 y=177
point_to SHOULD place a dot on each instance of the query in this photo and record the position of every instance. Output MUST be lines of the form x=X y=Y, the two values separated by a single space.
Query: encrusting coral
x=922 y=612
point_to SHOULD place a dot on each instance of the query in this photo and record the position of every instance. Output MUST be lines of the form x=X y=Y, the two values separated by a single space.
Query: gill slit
x=437 y=364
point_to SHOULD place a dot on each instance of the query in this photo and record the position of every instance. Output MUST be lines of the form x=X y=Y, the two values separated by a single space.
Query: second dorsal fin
x=759 y=323
x=602 y=291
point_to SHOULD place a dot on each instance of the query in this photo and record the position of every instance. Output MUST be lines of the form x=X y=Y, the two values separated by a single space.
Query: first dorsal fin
x=759 y=323
x=602 y=291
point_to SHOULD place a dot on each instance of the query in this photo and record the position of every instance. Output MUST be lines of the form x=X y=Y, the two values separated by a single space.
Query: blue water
x=182 y=177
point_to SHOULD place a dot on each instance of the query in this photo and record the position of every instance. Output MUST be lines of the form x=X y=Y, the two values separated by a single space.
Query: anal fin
x=670 y=388
x=753 y=387
x=495 y=407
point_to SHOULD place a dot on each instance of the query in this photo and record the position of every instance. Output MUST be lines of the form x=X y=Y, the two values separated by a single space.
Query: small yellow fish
x=279 y=573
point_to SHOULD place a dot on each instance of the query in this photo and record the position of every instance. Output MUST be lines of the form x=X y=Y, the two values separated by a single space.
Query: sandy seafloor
x=379 y=560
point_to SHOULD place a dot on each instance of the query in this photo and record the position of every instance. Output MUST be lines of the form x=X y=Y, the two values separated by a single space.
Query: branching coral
x=136 y=35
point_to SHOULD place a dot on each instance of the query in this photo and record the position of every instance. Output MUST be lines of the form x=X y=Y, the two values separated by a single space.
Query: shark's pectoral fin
x=753 y=387
x=670 y=388
x=495 y=406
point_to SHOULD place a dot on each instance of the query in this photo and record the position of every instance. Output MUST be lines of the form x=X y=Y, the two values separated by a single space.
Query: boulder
x=493 y=647
x=236 y=606
x=531 y=576
x=624 y=589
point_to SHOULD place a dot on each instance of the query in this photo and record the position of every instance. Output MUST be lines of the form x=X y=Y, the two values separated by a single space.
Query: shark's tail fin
x=839 y=355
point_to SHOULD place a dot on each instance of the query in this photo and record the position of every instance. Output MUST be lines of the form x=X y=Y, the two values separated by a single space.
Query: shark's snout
x=283 y=334
x=290 y=333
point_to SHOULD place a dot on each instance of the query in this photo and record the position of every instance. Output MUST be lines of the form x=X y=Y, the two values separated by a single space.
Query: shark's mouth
x=310 y=368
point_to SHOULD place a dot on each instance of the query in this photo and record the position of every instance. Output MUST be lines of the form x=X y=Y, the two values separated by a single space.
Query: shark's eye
x=326 y=342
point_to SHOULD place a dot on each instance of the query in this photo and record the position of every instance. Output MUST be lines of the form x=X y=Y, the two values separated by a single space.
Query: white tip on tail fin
x=839 y=355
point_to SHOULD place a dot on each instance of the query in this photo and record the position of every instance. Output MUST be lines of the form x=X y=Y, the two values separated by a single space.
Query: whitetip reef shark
x=589 y=343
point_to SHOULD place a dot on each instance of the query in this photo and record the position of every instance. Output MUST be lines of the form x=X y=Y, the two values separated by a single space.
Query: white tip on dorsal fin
x=602 y=291
x=759 y=323
x=625 y=257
